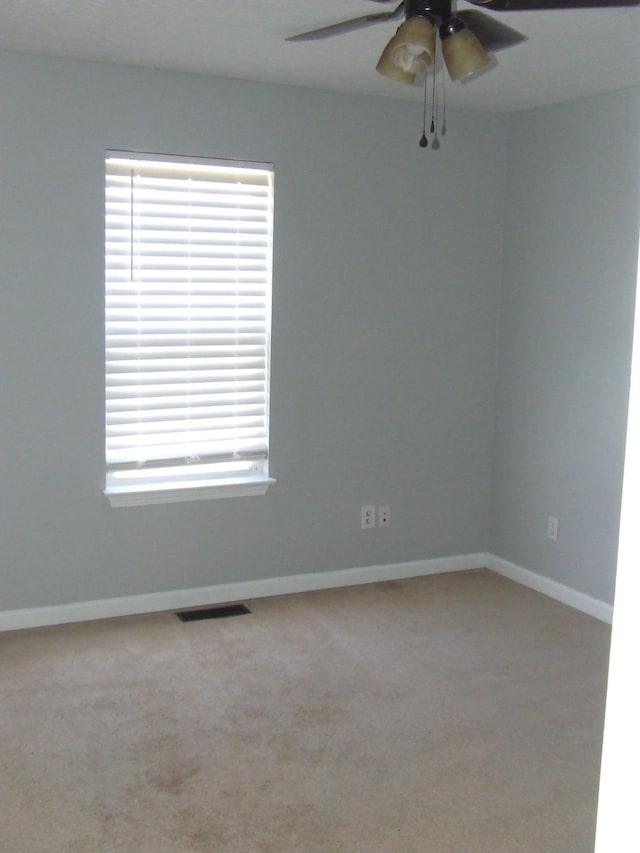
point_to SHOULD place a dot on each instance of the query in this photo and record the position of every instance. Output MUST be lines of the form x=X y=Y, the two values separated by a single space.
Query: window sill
x=143 y=496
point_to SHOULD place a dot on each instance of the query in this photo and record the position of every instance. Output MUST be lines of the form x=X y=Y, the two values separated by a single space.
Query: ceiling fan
x=467 y=36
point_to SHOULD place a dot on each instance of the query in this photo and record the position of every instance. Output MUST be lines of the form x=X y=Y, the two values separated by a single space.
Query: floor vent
x=213 y=613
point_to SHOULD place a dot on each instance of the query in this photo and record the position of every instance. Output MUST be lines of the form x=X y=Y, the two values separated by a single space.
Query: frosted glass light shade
x=463 y=54
x=411 y=50
x=389 y=69
x=414 y=45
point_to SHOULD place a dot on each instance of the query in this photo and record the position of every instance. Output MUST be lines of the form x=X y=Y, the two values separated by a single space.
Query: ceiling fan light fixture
x=389 y=69
x=415 y=45
x=462 y=51
x=412 y=48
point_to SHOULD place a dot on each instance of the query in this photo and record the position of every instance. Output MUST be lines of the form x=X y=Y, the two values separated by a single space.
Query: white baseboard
x=83 y=611
x=593 y=606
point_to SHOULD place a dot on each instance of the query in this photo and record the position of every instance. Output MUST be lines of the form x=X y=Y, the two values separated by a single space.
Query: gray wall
x=387 y=305
x=571 y=252
x=386 y=302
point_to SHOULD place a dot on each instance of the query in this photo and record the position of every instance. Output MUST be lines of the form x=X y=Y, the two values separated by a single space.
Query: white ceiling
x=569 y=54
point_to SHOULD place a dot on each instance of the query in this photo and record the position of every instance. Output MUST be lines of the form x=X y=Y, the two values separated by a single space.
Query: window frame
x=164 y=481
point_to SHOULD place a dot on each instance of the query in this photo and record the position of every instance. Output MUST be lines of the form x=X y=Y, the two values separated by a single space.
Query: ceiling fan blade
x=349 y=26
x=494 y=35
x=526 y=5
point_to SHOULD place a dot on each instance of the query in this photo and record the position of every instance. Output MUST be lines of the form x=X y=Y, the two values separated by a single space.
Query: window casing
x=188 y=253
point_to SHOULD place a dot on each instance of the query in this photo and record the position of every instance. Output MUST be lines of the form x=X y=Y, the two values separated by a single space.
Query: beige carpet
x=449 y=714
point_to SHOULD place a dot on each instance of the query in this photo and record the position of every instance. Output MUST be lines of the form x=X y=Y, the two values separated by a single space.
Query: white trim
x=128 y=496
x=154 y=602
x=593 y=606
x=135 y=157
x=83 y=611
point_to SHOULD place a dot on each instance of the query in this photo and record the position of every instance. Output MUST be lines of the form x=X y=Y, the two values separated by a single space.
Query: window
x=188 y=301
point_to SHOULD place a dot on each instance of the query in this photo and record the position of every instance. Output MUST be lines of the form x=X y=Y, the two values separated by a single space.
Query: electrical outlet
x=384 y=516
x=552 y=528
x=368 y=517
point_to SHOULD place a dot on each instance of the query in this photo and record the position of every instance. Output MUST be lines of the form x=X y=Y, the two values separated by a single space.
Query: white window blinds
x=188 y=297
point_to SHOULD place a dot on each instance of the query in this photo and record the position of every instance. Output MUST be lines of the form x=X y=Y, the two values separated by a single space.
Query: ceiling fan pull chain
x=444 y=107
x=435 y=142
x=433 y=103
x=424 y=142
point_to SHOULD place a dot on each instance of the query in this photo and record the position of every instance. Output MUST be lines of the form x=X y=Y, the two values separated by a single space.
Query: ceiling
x=569 y=54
